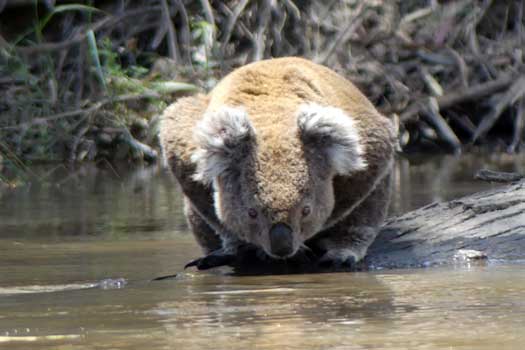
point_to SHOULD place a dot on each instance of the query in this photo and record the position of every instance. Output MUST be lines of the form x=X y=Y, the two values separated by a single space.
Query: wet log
x=491 y=222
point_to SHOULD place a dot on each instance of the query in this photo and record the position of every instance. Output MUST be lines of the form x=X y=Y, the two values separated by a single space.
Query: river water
x=77 y=255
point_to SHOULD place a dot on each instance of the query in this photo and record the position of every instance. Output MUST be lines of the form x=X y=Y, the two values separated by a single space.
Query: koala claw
x=338 y=261
x=305 y=256
x=214 y=259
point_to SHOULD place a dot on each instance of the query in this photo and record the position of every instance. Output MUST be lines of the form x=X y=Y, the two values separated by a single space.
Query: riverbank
x=88 y=83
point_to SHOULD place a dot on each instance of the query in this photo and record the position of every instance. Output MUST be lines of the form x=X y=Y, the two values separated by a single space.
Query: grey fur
x=332 y=130
x=223 y=137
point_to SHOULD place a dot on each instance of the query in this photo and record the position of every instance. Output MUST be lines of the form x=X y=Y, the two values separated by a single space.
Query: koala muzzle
x=281 y=240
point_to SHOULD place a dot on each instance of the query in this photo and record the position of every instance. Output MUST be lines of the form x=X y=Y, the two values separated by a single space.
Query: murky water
x=58 y=243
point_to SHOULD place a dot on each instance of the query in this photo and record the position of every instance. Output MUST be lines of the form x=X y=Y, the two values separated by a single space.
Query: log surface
x=492 y=222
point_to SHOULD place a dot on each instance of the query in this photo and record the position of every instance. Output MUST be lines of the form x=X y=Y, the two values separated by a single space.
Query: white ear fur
x=223 y=138
x=335 y=131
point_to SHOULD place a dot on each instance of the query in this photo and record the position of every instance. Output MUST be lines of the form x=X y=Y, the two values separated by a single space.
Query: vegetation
x=87 y=81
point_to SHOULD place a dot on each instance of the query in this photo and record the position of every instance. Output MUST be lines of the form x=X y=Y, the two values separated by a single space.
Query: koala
x=284 y=155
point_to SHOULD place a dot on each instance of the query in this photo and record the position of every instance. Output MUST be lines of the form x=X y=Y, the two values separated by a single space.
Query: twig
x=519 y=24
x=186 y=31
x=208 y=14
x=415 y=15
x=516 y=91
x=454 y=98
x=264 y=19
x=440 y=125
x=148 y=153
x=293 y=9
x=432 y=84
x=519 y=124
x=344 y=34
x=463 y=122
x=172 y=37
x=76 y=141
x=77 y=39
x=160 y=33
x=85 y=111
x=497 y=176
x=462 y=67
x=81 y=36
x=231 y=24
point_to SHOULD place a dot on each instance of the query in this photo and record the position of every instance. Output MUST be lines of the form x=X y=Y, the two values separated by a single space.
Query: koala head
x=273 y=187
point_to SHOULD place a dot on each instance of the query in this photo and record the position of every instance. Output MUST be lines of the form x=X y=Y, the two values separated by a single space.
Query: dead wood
x=400 y=54
x=497 y=176
x=491 y=222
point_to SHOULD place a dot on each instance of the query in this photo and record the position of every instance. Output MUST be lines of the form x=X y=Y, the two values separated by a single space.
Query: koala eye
x=252 y=213
x=306 y=210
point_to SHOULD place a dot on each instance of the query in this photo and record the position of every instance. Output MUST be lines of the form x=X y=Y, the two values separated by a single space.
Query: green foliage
x=95 y=60
x=203 y=36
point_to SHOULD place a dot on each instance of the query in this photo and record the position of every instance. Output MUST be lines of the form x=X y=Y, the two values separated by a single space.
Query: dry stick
x=431 y=83
x=80 y=37
x=231 y=24
x=76 y=142
x=344 y=34
x=293 y=9
x=519 y=24
x=79 y=88
x=77 y=39
x=172 y=37
x=242 y=27
x=85 y=111
x=416 y=15
x=132 y=33
x=497 y=176
x=186 y=31
x=264 y=17
x=279 y=21
x=208 y=14
x=160 y=33
x=462 y=67
x=440 y=125
x=454 y=98
x=148 y=153
x=463 y=122
x=515 y=92
x=519 y=124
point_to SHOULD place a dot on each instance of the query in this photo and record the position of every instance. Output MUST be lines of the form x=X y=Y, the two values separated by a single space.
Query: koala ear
x=224 y=137
x=331 y=131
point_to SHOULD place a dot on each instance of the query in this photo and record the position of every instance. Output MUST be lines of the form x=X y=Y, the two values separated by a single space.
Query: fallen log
x=491 y=222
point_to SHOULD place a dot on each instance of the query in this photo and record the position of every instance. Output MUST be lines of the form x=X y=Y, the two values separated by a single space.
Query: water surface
x=58 y=242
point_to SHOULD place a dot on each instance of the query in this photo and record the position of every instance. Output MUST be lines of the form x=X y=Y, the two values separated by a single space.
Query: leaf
x=65 y=8
x=93 y=52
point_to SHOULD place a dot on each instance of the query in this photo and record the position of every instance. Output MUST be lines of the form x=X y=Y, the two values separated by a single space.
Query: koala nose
x=281 y=240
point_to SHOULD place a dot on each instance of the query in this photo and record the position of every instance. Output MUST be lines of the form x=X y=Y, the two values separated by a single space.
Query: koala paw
x=305 y=256
x=216 y=258
x=339 y=259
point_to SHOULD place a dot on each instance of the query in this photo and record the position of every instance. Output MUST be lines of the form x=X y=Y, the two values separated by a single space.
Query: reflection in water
x=419 y=182
x=289 y=311
x=55 y=242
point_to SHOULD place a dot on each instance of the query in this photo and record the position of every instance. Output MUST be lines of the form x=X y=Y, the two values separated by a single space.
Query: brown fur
x=280 y=173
